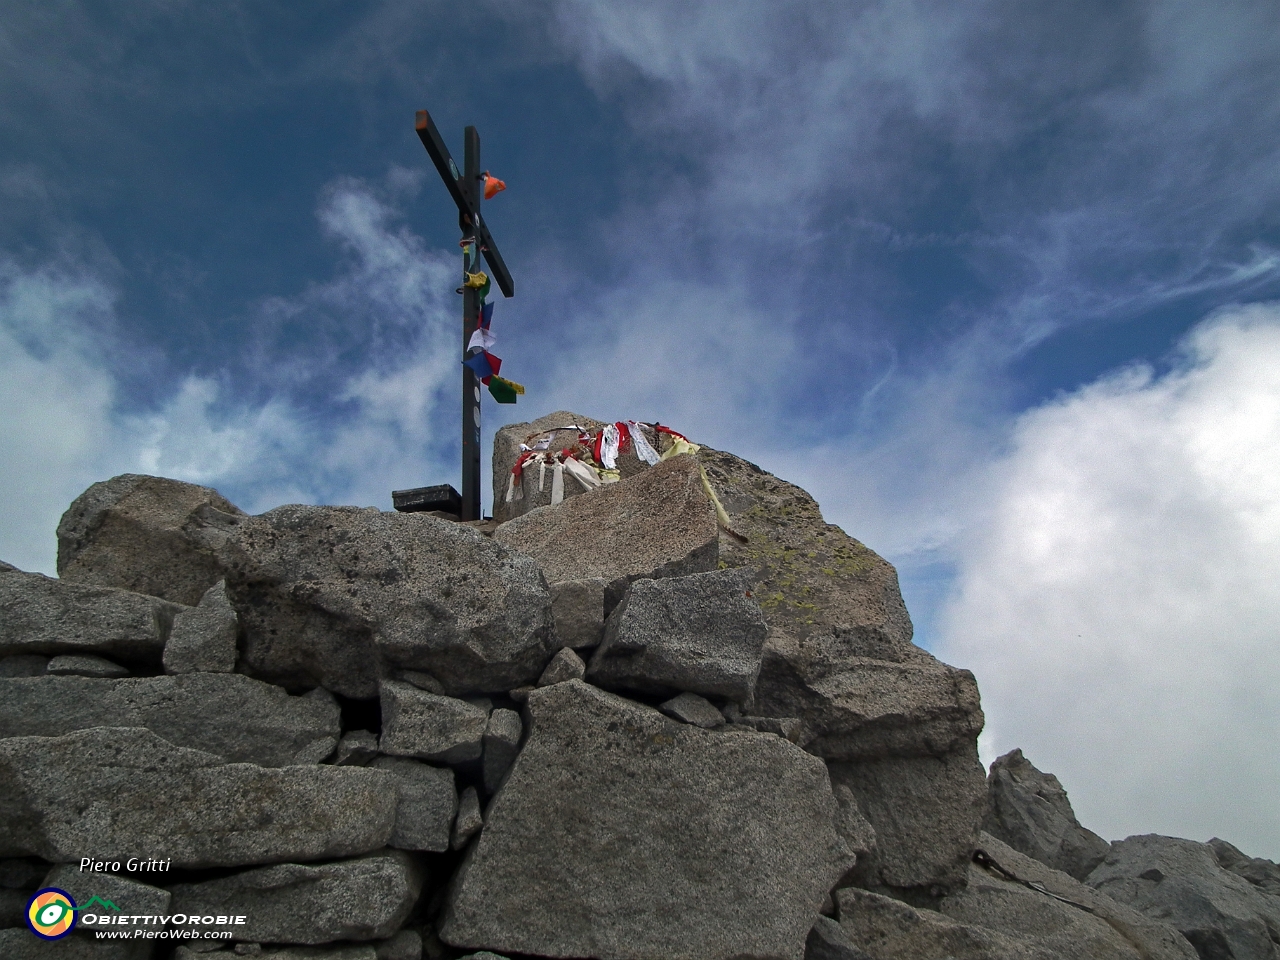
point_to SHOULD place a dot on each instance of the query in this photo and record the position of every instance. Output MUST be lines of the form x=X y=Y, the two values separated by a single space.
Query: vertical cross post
x=470 y=321
x=467 y=190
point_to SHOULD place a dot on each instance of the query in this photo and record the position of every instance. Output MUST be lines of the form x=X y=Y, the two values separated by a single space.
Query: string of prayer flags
x=484 y=365
x=503 y=390
x=486 y=315
x=492 y=186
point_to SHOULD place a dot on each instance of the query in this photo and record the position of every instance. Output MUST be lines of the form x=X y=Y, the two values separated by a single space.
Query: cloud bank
x=1119 y=602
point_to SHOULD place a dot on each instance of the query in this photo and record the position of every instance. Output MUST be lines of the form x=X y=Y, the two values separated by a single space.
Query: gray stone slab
x=356 y=749
x=365 y=898
x=430 y=727
x=128 y=896
x=24 y=665
x=619 y=821
x=232 y=716
x=19 y=944
x=428 y=803
x=118 y=791
x=40 y=615
x=703 y=633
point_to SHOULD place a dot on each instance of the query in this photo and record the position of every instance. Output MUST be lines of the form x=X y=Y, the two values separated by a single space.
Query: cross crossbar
x=464 y=195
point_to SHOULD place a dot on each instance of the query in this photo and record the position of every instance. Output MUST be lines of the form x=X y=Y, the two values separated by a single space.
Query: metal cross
x=466 y=188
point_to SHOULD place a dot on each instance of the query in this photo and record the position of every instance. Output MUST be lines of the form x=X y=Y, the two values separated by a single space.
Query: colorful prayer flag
x=503 y=390
x=483 y=364
x=492 y=186
x=486 y=315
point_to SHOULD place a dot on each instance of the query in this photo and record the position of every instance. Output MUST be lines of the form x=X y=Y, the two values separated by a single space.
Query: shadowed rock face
x=335 y=595
x=734 y=862
x=1029 y=811
x=146 y=534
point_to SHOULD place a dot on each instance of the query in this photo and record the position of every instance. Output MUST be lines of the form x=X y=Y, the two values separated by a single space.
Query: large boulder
x=702 y=633
x=1180 y=882
x=365 y=898
x=858 y=707
x=925 y=813
x=234 y=717
x=41 y=615
x=1029 y=811
x=124 y=792
x=659 y=523
x=335 y=596
x=635 y=836
x=128 y=896
x=146 y=534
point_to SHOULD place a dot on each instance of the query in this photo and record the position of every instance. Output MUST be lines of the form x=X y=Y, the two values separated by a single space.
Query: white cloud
x=1120 y=602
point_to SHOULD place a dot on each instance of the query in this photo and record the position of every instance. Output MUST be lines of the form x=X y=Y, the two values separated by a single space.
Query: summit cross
x=467 y=189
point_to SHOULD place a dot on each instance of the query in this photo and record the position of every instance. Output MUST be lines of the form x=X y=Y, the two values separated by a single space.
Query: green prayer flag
x=504 y=391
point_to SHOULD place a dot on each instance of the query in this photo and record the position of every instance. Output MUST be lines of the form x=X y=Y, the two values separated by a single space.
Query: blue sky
x=996 y=283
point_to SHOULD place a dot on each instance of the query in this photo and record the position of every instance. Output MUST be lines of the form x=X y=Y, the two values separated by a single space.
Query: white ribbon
x=609 y=447
x=582 y=473
x=644 y=449
x=515 y=491
x=542 y=472
x=557 y=482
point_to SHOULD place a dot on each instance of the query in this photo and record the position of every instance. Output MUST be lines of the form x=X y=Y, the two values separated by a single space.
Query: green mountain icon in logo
x=106 y=904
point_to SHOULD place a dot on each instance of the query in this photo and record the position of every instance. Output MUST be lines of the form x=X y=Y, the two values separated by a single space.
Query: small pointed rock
x=565 y=665
x=691 y=708
x=469 y=819
x=356 y=748
x=85 y=665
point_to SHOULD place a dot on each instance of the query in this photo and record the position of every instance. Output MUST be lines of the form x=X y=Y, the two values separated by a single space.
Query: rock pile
x=609 y=727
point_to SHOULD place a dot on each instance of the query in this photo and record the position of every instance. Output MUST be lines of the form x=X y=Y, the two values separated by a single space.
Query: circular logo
x=51 y=914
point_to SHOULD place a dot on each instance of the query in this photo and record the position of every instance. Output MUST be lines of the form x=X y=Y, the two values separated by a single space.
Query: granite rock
x=828 y=941
x=1263 y=874
x=1029 y=811
x=40 y=615
x=203 y=639
x=691 y=708
x=702 y=633
x=146 y=534
x=659 y=523
x=578 y=608
x=428 y=802
x=501 y=744
x=125 y=792
x=1181 y=882
x=861 y=708
x=617 y=865
x=365 y=898
x=565 y=665
x=232 y=716
x=24 y=665
x=430 y=727
x=925 y=811
x=18 y=944
x=342 y=597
